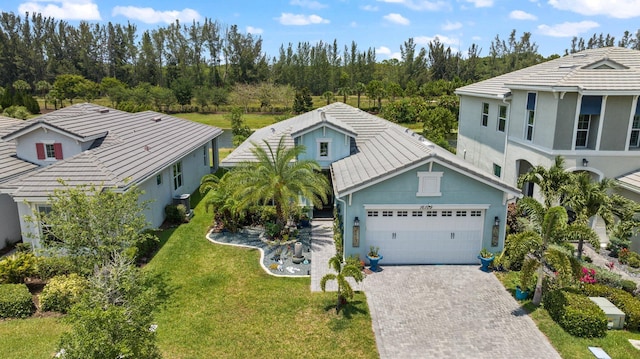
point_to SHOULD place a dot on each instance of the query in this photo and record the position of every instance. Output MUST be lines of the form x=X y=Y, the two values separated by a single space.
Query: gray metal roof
x=136 y=146
x=10 y=165
x=383 y=148
x=630 y=181
x=573 y=72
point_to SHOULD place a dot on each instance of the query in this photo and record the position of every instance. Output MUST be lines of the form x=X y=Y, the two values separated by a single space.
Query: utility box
x=615 y=316
x=183 y=199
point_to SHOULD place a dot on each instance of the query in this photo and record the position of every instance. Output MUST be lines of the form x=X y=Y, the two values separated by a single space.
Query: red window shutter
x=57 y=148
x=40 y=151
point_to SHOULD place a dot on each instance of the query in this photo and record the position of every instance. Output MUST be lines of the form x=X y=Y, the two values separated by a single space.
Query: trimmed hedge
x=15 y=268
x=576 y=313
x=626 y=302
x=62 y=292
x=15 y=301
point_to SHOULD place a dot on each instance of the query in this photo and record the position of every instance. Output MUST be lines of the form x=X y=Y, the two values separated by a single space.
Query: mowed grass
x=223 y=305
x=253 y=120
x=30 y=338
x=615 y=343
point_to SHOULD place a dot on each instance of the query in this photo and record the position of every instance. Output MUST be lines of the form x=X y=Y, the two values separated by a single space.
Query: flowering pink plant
x=610 y=265
x=588 y=276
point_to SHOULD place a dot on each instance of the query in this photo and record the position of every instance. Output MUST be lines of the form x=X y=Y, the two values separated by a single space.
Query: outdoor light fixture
x=495 y=232
x=356 y=222
x=355 y=239
x=585 y=162
x=496 y=221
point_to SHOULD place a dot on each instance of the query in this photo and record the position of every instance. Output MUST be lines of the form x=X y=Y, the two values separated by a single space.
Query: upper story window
x=485 y=114
x=324 y=148
x=177 y=175
x=590 y=108
x=502 y=118
x=429 y=184
x=531 y=115
x=497 y=170
x=49 y=151
x=634 y=141
x=582 y=133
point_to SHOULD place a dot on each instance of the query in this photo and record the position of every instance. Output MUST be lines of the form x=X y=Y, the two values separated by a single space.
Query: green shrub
x=625 y=301
x=62 y=292
x=516 y=248
x=633 y=260
x=617 y=244
x=15 y=301
x=51 y=266
x=146 y=247
x=272 y=229
x=576 y=313
x=15 y=268
x=175 y=214
x=628 y=286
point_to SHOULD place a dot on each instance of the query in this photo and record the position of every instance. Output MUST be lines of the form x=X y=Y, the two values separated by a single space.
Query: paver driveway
x=449 y=312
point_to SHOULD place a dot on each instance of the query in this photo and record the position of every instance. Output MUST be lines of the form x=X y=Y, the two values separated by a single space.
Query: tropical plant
x=279 y=176
x=341 y=274
x=550 y=181
x=373 y=251
x=226 y=207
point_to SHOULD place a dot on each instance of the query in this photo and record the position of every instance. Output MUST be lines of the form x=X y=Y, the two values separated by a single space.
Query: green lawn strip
x=224 y=305
x=30 y=338
x=252 y=120
x=615 y=343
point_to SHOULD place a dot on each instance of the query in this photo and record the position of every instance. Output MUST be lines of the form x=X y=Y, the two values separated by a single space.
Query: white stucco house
x=583 y=107
x=393 y=189
x=86 y=144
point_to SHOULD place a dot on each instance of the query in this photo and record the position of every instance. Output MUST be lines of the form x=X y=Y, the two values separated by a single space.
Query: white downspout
x=344 y=225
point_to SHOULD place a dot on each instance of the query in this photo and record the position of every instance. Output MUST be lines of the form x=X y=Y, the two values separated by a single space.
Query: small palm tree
x=280 y=177
x=550 y=181
x=345 y=291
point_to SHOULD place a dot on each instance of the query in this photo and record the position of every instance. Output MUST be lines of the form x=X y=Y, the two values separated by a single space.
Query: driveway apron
x=449 y=312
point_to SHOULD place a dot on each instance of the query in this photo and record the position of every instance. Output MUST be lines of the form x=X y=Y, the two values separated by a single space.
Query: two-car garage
x=426 y=234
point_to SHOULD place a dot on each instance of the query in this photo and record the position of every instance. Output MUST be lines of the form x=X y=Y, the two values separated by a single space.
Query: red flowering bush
x=588 y=276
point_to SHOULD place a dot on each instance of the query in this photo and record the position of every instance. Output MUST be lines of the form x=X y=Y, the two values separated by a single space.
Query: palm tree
x=549 y=226
x=279 y=176
x=329 y=96
x=227 y=209
x=342 y=272
x=550 y=181
x=587 y=199
x=360 y=89
x=344 y=92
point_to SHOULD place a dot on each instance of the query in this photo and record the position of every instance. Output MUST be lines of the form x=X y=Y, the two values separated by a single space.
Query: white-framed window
x=461 y=213
x=372 y=213
x=476 y=213
x=45 y=228
x=50 y=151
x=446 y=213
x=502 y=118
x=416 y=213
x=323 y=148
x=582 y=134
x=634 y=140
x=485 y=114
x=432 y=213
x=531 y=116
x=205 y=155
x=402 y=213
x=429 y=184
x=387 y=213
x=177 y=175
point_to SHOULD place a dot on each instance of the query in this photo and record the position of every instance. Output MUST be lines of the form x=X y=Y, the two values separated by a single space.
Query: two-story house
x=583 y=107
x=393 y=189
x=87 y=144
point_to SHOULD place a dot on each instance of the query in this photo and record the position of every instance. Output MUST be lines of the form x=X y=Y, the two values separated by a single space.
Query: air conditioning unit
x=183 y=199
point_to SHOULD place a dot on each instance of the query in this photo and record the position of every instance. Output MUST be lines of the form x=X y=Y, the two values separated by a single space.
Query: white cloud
x=620 y=9
x=299 y=19
x=521 y=15
x=445 y=40
x=450 y=26
x=567 y=29
x=481 y=3
x=353 y=24
x=397 y=19
x=254 y=30
x=383 y=50
x=313 y=5
x=421 y=4
x=369 y=8
x=151 y=16
x=63 y=9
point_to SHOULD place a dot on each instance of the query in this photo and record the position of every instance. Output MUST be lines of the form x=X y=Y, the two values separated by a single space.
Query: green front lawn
x=615 y=343
x=30 y=338
x=252 y=120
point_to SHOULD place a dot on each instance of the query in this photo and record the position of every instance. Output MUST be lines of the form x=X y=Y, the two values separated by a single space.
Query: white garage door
x=428 y=236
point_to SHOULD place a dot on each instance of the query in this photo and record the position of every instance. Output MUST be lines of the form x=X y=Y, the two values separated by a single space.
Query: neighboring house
x=416 y=201
x=583 y=107
x=87 y=144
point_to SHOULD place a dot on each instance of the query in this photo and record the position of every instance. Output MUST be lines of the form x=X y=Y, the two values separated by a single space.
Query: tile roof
x=574 y=72
x=383 y=148
x=630 y=181
x=10 y=165
x=136 y=146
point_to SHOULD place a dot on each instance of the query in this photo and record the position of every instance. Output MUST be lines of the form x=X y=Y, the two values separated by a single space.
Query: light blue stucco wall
x=339 y=145
x=456 y=188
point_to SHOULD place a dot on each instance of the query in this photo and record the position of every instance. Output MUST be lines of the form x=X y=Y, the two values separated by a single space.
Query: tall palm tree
x=588 y=198
x=359 y=89
x=279 y=176
x=340 y=276
x=550 y=227
x=550 y=181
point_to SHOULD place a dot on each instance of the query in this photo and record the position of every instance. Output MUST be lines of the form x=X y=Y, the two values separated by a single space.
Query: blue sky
x=380 y=24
